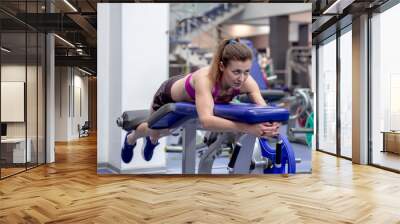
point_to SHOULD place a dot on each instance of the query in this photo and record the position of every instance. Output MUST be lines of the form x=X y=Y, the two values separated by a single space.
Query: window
x=22 y=77
x=385 y=89
x=327 y=96
x=346 y=93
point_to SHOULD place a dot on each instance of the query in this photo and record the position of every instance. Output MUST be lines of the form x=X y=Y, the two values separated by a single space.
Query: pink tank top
x=225 y=99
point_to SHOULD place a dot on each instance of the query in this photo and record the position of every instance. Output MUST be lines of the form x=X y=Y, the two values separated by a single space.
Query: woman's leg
x=140 y=132
x=143 y=131
x=157 y=134
x=159 y=100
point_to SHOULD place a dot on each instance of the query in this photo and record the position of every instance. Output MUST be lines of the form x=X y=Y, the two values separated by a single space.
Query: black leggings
x=163 y=94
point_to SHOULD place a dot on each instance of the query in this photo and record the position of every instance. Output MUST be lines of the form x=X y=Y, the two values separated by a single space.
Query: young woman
x=228 y=76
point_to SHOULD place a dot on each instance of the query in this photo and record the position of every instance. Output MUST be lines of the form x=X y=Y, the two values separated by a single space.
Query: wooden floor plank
x=70 y=191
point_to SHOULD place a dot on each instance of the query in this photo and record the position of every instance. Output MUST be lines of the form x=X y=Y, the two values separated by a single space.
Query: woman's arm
x=251 y=88
x=205 y=107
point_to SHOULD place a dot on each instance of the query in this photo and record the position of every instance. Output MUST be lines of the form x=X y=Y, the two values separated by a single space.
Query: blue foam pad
x=175 y=114
x=255 y=70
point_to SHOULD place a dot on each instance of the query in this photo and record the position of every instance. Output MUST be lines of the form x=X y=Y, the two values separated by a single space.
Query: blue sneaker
x=148 y=149
x=127 y=150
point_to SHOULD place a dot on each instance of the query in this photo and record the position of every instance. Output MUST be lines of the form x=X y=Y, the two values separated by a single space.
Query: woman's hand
x=266 y=129
x=273 y=129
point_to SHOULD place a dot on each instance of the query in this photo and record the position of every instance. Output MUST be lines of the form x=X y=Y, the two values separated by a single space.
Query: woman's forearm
x=258 y=99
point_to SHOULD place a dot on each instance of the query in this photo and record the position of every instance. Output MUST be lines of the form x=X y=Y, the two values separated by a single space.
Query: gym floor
x=174 y=158
x=174 y=162
x=303 y=152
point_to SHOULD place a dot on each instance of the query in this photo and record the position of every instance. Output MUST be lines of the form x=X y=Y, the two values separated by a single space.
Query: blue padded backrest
x=171 y=115
x=255 y=70
x=178 y=113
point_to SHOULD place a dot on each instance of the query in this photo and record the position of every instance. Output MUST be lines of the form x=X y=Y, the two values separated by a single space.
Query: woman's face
x=235 y=73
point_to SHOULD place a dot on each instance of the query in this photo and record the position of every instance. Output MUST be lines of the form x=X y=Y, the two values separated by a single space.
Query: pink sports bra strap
x=189 y=89
x=215 y=91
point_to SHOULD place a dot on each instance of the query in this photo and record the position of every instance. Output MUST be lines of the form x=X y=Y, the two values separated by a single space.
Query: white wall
x=14 y=72
x=131 y=67
x=109 y=83
x=150 y=66
x=103 y=76
x=67 y=117
x=61 y=104
x=81 y=108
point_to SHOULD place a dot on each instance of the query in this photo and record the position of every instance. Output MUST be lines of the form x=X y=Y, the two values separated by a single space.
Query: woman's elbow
x=205 y=122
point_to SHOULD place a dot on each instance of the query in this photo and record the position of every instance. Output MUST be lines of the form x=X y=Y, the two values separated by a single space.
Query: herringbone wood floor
x=70 y=191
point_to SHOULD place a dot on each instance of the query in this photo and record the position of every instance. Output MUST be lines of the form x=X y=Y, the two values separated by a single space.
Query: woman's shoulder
x=201 y=76
x=202 y=71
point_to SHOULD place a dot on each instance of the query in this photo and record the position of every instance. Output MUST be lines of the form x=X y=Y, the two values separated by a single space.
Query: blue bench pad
x=173 y=115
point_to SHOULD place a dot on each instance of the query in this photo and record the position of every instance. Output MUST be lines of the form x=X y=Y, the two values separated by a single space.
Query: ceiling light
x=70 y=5
x=5 y=50
x=86 y=72
x=64 y=40
x=338 y=6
